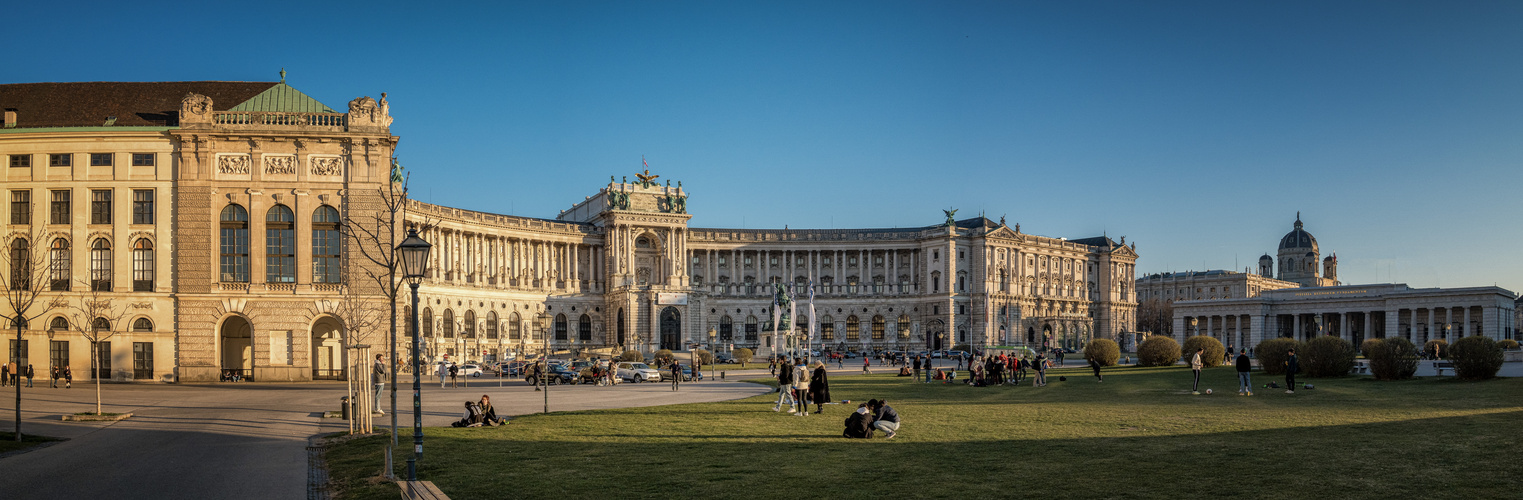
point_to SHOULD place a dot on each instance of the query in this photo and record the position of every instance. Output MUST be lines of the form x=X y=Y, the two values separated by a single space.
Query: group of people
x=798 y=385
x=874 y=415
x=1244 y=366
x=990 y=369
x=11 y=373
x=480 y=413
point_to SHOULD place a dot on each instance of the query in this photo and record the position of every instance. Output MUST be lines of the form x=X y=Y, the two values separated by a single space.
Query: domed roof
x=1265 y=257
x=1298 y=238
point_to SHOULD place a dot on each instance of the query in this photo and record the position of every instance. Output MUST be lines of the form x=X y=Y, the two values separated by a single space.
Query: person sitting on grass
x=884 y=417
x=859 y=424
x=489 y=414
x=472 y=416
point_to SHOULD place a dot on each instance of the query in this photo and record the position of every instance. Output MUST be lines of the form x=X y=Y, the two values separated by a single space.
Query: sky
x=1196 y=129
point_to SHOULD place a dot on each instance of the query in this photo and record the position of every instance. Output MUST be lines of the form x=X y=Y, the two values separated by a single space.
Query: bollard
x=721 y=375
x=344 y=409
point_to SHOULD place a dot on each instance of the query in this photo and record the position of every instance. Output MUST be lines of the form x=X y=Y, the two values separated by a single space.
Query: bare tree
x=362 y=325
x=25 y=279
x=374 y=233
x=1156 y=316
x=95 y=317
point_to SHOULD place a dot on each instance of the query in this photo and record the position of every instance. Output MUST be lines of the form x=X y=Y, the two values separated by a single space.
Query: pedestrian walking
x=1195 y=366
x=785 y=392
x=819 y=387
x=1041 y=371
x=800 y=386
x=379 y=378
x=539 y=375
x=443 y=373
x=53 y=382
x=676 y=375
x=68 y=378
x=917 y=368
x=1094 y=364
x=772 y=365
x=1292 y=365
x=5 y=374
x=840 y=361
x=1244 y=365
x=864 y=366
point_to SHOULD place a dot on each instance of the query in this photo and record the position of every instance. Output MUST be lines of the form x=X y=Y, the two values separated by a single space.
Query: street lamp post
x=712 y=334
x=542 y=323
x=414 y=252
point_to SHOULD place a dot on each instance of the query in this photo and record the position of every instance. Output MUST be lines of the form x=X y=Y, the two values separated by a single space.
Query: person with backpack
x=859 y=424
x=1244 y=365
x=1292 y=365
x=454 y=375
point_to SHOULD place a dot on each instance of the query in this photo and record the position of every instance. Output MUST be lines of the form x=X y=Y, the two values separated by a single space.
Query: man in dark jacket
x=784 y=386
x=884 y=417
x=859 y=424
x=1244 y=365
x=29 y=375
x=1292 y=365
x=917 y=368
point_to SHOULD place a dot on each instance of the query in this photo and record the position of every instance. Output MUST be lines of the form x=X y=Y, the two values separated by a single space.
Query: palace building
x=215 y=220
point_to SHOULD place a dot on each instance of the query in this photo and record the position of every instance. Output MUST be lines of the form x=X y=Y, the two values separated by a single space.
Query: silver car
x=637 y=372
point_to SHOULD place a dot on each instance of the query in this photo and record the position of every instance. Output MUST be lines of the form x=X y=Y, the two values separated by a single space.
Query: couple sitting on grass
x=479 y=413
x=870 y=416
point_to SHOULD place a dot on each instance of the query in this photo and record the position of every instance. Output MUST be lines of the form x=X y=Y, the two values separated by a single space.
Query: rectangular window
x=142 y=267
x=142 y=159
x=142 y=206
x=18 y=355
x=21 y=161
x=100 y=159
x=103 y=357
x=58 y=353
x=60 y=212
x=21 y=207
x=60 y=160
x=142 y=360
x=100 y=206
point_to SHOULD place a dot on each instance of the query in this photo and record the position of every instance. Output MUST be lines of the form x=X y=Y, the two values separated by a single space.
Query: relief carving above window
x=233 y=164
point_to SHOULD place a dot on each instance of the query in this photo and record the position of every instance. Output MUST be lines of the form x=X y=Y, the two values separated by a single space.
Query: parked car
x=724 y=359
x=637 y=372
x=954 y=354
x=512 y=368
x=470 y=370
x=560 y=373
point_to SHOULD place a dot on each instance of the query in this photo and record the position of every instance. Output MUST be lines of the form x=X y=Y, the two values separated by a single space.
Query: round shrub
x=1438 y=348
x=631 y=355
x=1393 y=358
x=1158 y=351
x=664 y=357
x=1476 y=357
x=1212 y=356
x=1327 y=356
x=1367 y=346
x=1272 y=354
x=1103 y=351
x=1507 y=344
x=742 y=355
x=705 y=357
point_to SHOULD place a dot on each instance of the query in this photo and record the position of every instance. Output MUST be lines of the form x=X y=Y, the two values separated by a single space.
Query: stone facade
x=1206 y=285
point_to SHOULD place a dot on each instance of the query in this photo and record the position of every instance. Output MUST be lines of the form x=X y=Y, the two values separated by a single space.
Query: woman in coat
x=819 y=387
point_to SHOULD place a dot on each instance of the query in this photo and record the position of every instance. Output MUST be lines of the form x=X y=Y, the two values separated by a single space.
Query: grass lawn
x=9 y=444
x=1137 y=435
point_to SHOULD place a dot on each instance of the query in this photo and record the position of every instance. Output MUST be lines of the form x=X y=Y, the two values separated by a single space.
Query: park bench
x=1361 y=366
x=1441 y=366
x=421 y=490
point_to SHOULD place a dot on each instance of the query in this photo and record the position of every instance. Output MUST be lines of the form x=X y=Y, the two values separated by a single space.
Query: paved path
x=232 y=441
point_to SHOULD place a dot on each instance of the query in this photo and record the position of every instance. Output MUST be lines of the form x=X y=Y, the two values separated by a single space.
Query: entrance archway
x=237 y=347
x=327 y=349
x=671 y=329
x=933 y=332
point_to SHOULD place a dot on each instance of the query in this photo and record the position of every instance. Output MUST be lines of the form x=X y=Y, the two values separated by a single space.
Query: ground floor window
x=103 y=360
x=18 y=353
x=142 y=360
x=58 y=353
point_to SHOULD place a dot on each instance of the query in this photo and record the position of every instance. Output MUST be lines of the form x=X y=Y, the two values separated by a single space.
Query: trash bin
x=344 y=407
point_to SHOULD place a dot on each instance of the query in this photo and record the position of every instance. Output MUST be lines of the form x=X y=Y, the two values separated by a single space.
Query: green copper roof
x=283 y=98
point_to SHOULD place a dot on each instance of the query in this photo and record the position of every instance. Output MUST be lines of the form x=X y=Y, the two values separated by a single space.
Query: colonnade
x=1417 y=324
x=474 y=258
x=724 y=270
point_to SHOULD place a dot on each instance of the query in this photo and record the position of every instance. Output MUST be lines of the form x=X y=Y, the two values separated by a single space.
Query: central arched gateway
x=327 y=349
x=671 y=329
x=237 y=346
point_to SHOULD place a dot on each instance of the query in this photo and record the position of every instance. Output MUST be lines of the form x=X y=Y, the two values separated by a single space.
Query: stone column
x=1295 y=333
x=1465 y=329
x=1179 y=327
x=1343 y=329
x=1257 y=326
x=1449 y=325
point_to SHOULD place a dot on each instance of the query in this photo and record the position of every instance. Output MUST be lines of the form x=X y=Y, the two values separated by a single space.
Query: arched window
x=514 y=328
x=827 y=329
x=58 y=267
x=802 y=325
x=280 y=245
x=21 y=264
x=100 y=325
x=726 y=329
x=449 y=324
x=142 y=266
x=962 y=281
x=903 y=326
x=58 y=324
x=427 y=323
x=142 y=325
x=100 y=265
x=491 y=325
x=325 y=243
x=468 y=327
x=584 y=329
x=560 y=327
x=853 y=330
x=878 y=327
x=235 y=244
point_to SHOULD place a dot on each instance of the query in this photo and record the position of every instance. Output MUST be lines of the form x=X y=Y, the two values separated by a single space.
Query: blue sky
x=1196 y=129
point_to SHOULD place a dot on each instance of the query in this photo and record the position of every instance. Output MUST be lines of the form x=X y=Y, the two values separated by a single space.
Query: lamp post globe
x=414 y=255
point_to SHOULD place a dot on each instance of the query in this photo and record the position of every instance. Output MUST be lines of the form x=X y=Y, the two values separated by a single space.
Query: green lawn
x=8 y=441
x=1137 y=435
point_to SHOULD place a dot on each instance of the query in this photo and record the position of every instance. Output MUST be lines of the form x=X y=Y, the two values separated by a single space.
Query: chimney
x=10 y=118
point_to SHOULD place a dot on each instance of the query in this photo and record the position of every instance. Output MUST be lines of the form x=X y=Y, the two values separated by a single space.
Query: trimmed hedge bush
x=1440 y=344
x=1327 y=356
x=1367 y=346
x=705 y=357
x=1103 y=351
x=1507 y=344
x=743 y=355
x=1393 y=358
x=1158 y=351
x=664 y=357
x=1476 y=358
x=631 y=355
x=1272 y=354
x=1212 y=357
